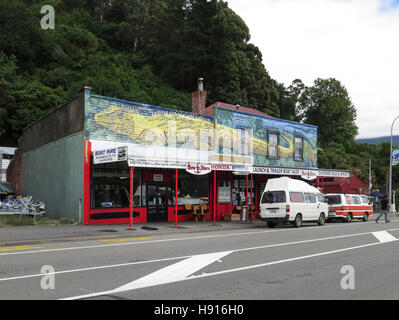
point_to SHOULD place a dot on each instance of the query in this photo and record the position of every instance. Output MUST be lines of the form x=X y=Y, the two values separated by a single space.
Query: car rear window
x=297 y=197
x=333 y=199
x=273 y=197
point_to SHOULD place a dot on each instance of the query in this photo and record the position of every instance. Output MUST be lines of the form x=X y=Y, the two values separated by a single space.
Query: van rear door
x=273 y=204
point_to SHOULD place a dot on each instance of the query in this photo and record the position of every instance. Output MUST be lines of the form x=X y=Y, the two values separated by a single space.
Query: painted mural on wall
x=151 y=126
x=287 y=130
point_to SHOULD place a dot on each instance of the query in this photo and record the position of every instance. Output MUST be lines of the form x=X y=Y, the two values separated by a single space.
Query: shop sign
x=198 y=169
x=276 y=171
x=333 y=174
x=221 y=167
x=158 y=177
x=155 y=164
x=110 y=155
x=308 y=174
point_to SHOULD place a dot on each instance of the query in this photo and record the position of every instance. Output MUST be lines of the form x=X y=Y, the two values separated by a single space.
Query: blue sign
x=395 y=157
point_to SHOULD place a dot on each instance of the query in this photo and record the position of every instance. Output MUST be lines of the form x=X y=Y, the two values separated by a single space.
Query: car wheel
x=366 y=217
x=322 y=219
x=298 y=221
x=349 y=217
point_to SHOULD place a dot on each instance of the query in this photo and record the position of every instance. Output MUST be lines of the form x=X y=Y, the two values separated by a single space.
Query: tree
x=289 y=99
x=199 y=38
x=327 y=104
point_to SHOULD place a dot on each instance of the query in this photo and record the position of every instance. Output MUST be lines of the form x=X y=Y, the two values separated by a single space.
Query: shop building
x=349 y=185
x=88 y=158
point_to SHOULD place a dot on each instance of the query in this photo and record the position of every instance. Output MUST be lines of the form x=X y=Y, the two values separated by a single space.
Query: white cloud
x=354 y=41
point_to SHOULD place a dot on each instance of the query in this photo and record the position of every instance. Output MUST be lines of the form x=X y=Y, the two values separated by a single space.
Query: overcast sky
x=354 y=41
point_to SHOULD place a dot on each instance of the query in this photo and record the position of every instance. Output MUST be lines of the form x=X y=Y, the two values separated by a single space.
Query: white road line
x=181 y=239
x=136 y=286
x=188 y=256
x=95 y=268
x=173 y=273
x=384 y=236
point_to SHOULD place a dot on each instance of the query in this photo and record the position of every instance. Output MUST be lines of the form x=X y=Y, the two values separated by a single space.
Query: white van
x=348 y=207
x=289 y=200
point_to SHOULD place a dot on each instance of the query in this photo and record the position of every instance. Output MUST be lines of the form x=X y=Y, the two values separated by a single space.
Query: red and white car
x=348 y=206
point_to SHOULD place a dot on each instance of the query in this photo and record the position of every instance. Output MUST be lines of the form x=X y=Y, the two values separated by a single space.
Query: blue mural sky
x=353 y=41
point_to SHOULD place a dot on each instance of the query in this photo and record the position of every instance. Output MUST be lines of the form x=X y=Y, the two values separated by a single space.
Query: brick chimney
x=198 y=98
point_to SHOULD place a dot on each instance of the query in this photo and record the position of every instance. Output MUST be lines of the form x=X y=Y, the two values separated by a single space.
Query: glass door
x=158 y=200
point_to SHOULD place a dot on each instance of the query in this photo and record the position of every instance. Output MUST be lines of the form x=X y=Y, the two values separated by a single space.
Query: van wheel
x=271 y=224
x=349 y=217
x=322 y=219
x=298 y=221
x=365 y=217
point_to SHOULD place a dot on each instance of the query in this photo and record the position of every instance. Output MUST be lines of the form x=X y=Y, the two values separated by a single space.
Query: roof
x=7 y=150
x=209 y=109
x=285 y=183
x=340 y=180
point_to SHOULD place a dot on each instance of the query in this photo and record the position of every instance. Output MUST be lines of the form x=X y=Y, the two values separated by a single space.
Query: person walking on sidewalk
x=384 y=209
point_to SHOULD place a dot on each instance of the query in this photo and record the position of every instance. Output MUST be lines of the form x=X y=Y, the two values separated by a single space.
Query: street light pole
x=390 y=164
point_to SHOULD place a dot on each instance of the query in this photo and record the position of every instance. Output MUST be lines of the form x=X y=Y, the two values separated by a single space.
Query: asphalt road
x=345 y=261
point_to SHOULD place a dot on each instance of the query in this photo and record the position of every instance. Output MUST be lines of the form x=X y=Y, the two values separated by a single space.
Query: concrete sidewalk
x=25 y=235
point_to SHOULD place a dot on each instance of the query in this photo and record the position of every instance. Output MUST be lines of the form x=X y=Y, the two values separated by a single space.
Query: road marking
x=94 y=268
x=187 y=256
x=173 y=273
x=182 y=239
x=124 y=239
x=153 y=281
x=384 y=236
x=18 y=248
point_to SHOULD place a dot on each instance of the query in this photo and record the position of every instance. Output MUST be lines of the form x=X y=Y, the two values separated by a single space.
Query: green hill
x=379 y=140
x=146 y=51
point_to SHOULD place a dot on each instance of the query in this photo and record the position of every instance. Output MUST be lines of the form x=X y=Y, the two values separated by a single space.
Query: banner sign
x=395 y=157
x=240 y=168
x=156 y=164
x=304 y=173
x=198 y=169
x=334 y=174
x=110 y=155
x=276 y=171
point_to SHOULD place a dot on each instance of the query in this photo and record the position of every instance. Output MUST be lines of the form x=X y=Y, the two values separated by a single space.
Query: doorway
x=159 y=198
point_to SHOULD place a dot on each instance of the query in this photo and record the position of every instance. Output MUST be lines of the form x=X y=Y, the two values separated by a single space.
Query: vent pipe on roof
x=200 y=84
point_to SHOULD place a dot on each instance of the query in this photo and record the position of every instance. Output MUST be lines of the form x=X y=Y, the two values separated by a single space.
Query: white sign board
x=110 y=155
x=334 y=174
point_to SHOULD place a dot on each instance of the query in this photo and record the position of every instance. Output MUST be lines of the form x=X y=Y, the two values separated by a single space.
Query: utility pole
x=390 y=165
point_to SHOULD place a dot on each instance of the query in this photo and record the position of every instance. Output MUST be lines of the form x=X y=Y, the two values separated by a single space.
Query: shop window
x=240 y=191
x=192 y=189
x=273 y=145
x=224 y=191
x=298 y=155
x=245 y=141
x=110 y=186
